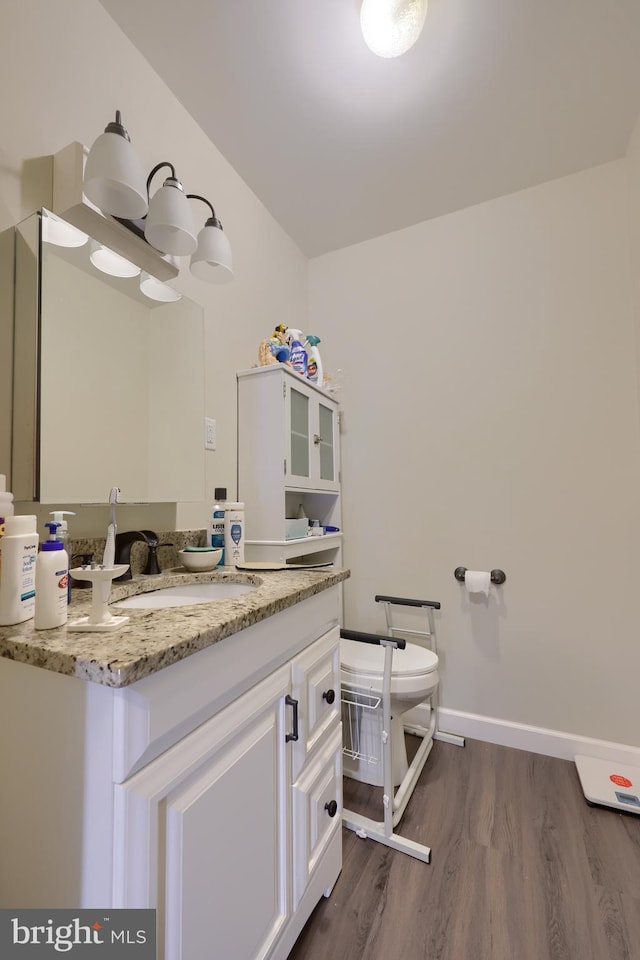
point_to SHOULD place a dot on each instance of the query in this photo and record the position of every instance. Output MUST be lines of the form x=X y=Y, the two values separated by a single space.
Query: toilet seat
x=413 y=670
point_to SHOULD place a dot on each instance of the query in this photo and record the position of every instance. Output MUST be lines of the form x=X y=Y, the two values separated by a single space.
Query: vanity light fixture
x=165 y=220
x=113 y=176
x=212 y=259
x=169 y=226
x=157 y=290
x=110 y=262
x=61 y=233
x=391 y=27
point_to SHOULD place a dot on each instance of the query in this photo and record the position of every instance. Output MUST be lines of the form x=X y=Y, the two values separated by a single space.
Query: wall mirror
x=108 y=378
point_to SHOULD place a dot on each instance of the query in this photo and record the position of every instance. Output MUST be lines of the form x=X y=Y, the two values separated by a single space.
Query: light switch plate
x=209 y=434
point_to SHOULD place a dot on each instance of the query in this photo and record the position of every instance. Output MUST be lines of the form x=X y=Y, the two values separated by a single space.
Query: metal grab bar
x=403 y=602
x=374 y=638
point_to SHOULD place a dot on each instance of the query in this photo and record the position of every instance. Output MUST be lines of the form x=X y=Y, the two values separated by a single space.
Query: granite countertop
x=153 y=639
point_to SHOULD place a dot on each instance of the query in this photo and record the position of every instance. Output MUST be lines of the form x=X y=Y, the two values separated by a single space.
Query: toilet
x=414 y=678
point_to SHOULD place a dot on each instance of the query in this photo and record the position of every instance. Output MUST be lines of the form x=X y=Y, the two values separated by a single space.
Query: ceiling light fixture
x=391 y=27
x=113 y=183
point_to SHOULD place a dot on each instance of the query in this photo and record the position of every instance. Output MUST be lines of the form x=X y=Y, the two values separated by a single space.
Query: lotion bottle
x=18 y=552
x=52 y=578
x=63 y=536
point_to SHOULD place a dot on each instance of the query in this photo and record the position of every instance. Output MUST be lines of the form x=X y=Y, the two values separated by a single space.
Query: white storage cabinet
x=288 y=455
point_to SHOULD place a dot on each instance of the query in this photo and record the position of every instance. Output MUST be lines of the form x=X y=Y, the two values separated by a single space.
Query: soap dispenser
x=52 y=578
x=63 y=536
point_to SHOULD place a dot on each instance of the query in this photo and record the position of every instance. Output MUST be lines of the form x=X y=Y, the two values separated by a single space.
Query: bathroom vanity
x=188 y=762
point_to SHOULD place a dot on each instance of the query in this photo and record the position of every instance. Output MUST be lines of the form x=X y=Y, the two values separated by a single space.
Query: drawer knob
x=331 y=807
x=329 y=696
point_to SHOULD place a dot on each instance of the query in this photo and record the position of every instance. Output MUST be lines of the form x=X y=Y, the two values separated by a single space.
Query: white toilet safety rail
x=394 y=803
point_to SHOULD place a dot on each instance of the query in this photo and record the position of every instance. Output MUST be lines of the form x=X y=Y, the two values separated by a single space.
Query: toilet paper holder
x=497 y=576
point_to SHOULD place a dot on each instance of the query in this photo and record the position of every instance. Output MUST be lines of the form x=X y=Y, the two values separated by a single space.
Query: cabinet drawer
x=154 y=713
x=315 y=681
x=317 y=811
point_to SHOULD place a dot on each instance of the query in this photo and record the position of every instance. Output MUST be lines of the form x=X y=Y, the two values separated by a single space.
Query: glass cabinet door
x=300 y=439
x=325 y=442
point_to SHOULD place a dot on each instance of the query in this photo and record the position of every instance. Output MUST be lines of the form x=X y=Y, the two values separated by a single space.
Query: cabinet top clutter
x=154 y=639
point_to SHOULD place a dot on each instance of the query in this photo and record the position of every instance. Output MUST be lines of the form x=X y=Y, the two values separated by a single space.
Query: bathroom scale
x=610 y=784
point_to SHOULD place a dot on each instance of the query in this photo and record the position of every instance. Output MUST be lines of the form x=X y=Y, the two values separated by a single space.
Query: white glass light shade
x=110 y=262
x=170 y=226
x=391 y=27
x=114 y=179
x=157 y=290
x=61 y=233
x=212 y=261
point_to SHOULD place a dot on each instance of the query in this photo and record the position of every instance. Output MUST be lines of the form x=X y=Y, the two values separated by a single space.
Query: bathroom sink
x=185 y=595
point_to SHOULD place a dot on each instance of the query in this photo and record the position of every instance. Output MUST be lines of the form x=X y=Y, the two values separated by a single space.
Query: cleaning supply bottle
x=298 y=356
x=234 y=534
x=52 y=577
x=216 y=528
x=63 y=535
x=19 y=549
x=314 y=361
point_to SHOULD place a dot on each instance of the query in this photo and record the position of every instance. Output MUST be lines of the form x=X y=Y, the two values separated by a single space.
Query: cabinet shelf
x=282 y=550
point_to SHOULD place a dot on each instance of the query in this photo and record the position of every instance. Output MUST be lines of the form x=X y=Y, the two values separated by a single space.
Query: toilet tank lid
x=363 y=658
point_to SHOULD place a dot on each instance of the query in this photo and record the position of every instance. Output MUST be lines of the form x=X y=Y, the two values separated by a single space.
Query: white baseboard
x=551 y=743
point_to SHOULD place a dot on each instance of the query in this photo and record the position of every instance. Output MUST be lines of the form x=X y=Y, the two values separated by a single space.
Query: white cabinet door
x=315 y=685
x=313 y=438
x=207 y=833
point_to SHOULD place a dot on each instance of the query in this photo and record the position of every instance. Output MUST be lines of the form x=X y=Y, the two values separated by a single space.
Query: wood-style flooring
x=522 y=868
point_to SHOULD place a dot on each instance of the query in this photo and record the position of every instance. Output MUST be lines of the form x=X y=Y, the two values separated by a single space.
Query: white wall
x=488 y=376
x=64 y=70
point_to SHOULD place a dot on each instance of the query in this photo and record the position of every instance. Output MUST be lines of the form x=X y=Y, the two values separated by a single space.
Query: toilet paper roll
x=477 y=581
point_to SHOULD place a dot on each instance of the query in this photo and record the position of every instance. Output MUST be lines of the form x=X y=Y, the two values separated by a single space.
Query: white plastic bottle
x=6 y=502
x=234 y=534
x=19 y=549
x=315 y=373
x=63 y=535
x=216 y=528
x=6 y=509
x=52 y=578
x=298 y=357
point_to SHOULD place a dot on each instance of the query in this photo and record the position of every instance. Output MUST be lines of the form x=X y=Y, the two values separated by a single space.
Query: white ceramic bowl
x=199 y=561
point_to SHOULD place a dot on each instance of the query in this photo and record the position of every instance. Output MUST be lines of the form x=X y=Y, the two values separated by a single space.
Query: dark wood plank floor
x=522 y=868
